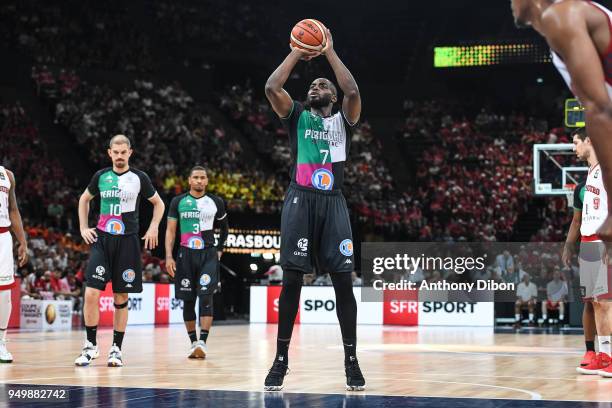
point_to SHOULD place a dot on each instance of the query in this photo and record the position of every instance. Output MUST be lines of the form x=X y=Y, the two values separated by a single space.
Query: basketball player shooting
x=580 y=35
x=315 y=225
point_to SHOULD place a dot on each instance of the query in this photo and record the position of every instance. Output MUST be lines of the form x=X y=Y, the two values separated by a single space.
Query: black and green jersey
x=579 y=195
x=196 y=217
x=119 y=198
x=319 y=147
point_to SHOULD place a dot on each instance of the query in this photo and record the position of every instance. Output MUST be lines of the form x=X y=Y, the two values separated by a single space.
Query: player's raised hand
x=22 y=254
x=170 y=266
x=89 y=235
x=329 y=44
x=150 y=238
x=305 y=55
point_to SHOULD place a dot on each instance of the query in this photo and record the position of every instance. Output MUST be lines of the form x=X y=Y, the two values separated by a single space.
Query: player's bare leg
x=120 y=323
x=5 y=315
x=588 y=323
x=91 y=315
x=205 y=325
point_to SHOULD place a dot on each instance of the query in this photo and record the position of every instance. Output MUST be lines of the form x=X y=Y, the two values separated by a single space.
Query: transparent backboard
x=556 y=169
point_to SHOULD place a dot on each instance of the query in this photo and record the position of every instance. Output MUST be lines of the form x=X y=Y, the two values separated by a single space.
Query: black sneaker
x=274 y=379
x=354 y=378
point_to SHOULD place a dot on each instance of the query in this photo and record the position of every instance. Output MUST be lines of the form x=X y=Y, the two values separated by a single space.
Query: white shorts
x=7 y=264
x=595 y=274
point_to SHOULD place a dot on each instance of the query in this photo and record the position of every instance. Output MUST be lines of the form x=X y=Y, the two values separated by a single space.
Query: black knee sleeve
x=121 y=306
x=288 y=302
x=189 y=314
x=346 y=305
x=206 y=305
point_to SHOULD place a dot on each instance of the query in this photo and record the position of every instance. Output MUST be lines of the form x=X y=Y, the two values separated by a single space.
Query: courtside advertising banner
x=318 y=306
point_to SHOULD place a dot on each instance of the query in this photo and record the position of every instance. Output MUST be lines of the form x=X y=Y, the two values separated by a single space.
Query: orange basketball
x=309 y=34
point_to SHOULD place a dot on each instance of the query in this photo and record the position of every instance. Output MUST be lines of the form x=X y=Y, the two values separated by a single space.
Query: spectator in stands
x=505 y=261
x=526 y=298
x=323 y=280
x=275 y=275
x=556 y=296
x=45 y=286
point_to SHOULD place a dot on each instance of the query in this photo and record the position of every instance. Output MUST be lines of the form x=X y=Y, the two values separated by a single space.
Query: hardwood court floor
x=418 y=362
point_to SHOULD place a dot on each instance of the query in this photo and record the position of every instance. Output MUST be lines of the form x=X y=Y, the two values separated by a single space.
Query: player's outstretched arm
x=567 y=33
x=151 y=238
x=89 y=234
x=16 y=223
x=351 y=104
x=279 y=98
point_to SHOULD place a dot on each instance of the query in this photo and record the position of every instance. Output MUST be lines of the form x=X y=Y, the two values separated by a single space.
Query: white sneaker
x=197 y=350
x=5 y=356
x=192 y=350
x=114 y=357
x=89 y=352
x=203 y=349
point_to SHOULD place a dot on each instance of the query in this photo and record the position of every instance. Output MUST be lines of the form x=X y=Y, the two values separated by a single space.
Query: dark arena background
x=454 y=100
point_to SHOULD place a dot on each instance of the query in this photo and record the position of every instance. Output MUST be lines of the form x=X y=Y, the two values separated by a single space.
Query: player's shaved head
x=331 y=86
x=120 y=139
x=197 y=168
x=198 y=180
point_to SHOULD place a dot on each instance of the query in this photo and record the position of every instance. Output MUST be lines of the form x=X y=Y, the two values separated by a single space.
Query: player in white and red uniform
x=594 y=269
x=580 y=35
x=583 y=148
x=10 y=219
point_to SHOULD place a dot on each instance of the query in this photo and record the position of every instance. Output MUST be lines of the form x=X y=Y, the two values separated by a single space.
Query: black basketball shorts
x=316 y=231
x=197 y=273
x=115 y=258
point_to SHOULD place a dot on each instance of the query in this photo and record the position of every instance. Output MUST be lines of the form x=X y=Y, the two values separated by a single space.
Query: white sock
x=544 y=317
x=5 y=312
x=531 y=317
x=604 y=344
x=560 y=316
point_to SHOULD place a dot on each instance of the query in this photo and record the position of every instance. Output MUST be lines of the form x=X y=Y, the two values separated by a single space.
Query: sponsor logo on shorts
x=195 y=243
x=302 y=245
x=348 y=261
x=129 y=275
x=185 y=283
x=115 y=227
x=346 y=247
x=99 y=272
x=322 y=179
